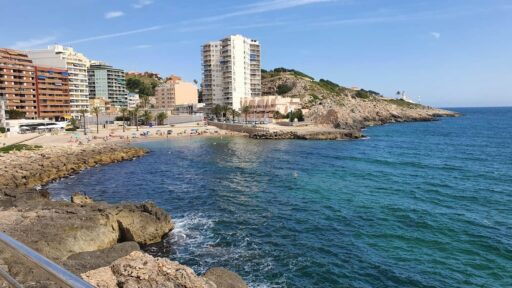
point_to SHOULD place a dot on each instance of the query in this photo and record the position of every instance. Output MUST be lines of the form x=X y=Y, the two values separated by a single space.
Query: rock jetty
x=26 y=169
x=328 y=134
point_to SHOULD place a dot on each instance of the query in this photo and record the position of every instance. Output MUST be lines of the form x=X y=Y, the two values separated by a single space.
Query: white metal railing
x=64 y=276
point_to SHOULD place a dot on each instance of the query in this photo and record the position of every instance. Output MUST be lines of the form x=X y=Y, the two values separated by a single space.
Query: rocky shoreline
x=326 y=134
x=84 y=236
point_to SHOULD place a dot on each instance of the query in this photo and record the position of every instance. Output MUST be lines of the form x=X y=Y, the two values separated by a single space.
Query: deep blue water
x=415 y=205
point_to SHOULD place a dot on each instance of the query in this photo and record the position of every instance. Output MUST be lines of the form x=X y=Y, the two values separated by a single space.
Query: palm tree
x=135 y=113
x=124 y=110
x=245 y=110
x=160 y=118
x=144 y=100
x=217 y=110
x=83 y=112
x=233 y=114
x=96 y=111
x=225 y=111
x=147 y=117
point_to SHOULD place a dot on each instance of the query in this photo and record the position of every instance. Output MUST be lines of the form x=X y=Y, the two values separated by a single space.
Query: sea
x=426 y=204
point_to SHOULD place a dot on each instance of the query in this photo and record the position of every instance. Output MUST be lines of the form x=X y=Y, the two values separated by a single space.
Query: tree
x=135 y=113
x=278 y=115
x=147 y=116
x=246 y=110
x=161 y=117
x=83 y=112
x=217 y=110
x=283 y=89
x=16 y=114
x=144 y=100
x=96 y=111
x=124 y=110
x=233 y=114
x=225 y=111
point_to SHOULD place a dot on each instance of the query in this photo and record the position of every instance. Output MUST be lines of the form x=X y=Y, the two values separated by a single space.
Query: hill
x=328 y=103
x=143 y=84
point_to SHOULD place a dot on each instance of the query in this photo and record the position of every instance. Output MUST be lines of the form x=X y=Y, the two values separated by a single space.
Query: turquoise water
x=415 y=205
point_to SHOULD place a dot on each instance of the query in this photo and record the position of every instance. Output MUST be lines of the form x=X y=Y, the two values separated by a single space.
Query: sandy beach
x=114 y=134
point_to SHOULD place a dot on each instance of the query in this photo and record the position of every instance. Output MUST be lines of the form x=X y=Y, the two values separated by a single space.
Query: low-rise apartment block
x=175 y=92
x=264 y=107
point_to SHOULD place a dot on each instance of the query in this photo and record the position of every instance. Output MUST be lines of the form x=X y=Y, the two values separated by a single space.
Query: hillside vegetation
x=328 y=103
x=144 y=85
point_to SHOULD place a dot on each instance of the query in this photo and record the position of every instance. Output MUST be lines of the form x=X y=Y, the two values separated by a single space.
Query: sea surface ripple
x=415 y=205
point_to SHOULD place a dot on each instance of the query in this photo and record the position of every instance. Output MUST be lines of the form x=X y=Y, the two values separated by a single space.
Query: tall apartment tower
x=2 y=111
x=17 y=82
x=76 y=64
x=108 y=83
x=231 y=71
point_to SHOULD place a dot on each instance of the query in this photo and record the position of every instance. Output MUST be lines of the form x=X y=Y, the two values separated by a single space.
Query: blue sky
x=451 y=53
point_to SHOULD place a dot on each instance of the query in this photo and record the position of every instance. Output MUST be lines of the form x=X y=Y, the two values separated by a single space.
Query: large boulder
x=139 y=270
x=144 y=224
x=224 y=278
x=86 y=261
x=58 y=229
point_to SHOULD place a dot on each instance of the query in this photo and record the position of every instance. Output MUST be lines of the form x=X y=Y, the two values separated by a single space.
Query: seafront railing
x=30 y=259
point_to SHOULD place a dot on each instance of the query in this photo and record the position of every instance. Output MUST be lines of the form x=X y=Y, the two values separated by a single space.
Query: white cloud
x=264 y=6
x=142 y=46
x=436 y=35
x=113 y=14
x=33 y=43
x=141 y=3
x=114 y=35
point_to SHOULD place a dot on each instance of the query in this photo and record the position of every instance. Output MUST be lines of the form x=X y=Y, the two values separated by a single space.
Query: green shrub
x=2 y=130
x=297 y=114
x=19 y=147
x=328 y=85
x=283 y=89
x=363 y=94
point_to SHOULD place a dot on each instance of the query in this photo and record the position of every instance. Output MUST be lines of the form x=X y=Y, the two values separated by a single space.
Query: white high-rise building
x=2 y=111
x=231 y=71
x=76 y=63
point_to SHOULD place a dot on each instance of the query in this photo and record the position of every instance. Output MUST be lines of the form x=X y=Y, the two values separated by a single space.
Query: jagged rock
x=224 y=278
x=59 y=229
x=144 y=224
x=81 y=199
x=86 y=261
x=144 y=271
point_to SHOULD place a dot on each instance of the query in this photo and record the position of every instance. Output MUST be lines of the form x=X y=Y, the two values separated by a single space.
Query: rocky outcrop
x=82 y=235
x=83 y=262
x=224 y=278
x=356 y=113
x=26 y=169
x=58 y=229
x=139 y=270
x=327 y=103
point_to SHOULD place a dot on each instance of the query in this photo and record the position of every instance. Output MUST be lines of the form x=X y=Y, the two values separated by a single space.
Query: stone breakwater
x=310 y=135
x=82 y=235
x=26 y=169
